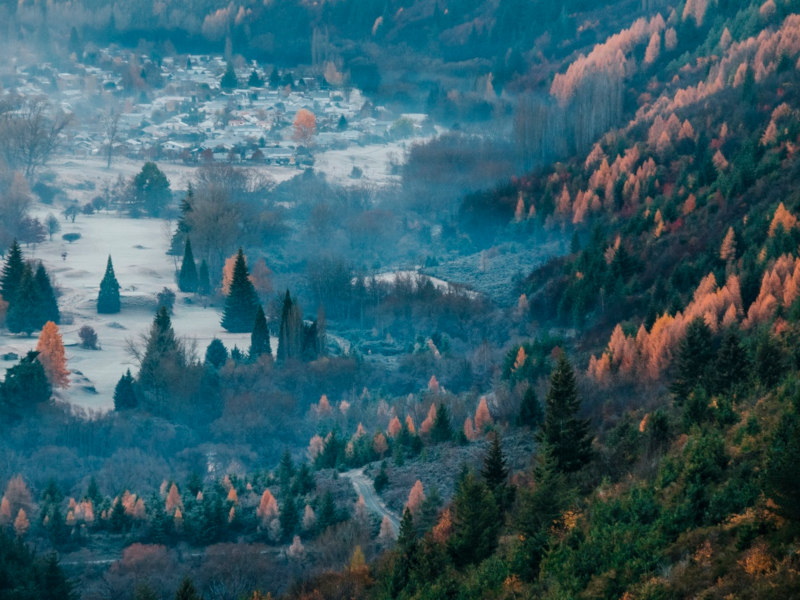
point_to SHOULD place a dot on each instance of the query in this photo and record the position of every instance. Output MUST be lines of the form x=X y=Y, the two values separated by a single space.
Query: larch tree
x=187 y=278
x=727 y=251
x=241 y=303
x=108 y=300
x=483 y=419
x=51 y=354
x=415 y=497
x=259 y=337
x=21 y=523
x=565 y=435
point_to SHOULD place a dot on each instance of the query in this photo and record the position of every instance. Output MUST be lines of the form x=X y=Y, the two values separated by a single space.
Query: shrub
x=88 y=337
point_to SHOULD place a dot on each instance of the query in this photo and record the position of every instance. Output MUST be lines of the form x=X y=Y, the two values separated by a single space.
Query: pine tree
x=26 y=383
x=495 y=471
x=442 y=430
x=694 y=359
x=203 y=279
x=290 y=336
x=48 y=306
x=125 y=393
x=242 y=301
x=566 y=437
x=259 y=338
x=476 y=522
x=407 y=550
x=530 y=410
x=188 y=279
x=163 y=355
x=23 y=314
x=108 y=301
x=732 y=364
x=51 y=354
x=289 y=518
x=12 y=273
x=216 y=353
x=184 y=227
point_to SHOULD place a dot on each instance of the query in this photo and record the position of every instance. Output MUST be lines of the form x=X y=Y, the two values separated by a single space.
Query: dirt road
x=364 y=487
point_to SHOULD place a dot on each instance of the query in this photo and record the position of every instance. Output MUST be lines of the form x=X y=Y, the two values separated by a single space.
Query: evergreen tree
x=259 y=338
x=119 y=521
x=442 y=431
x=476 y=522
x=47 y=305
x=241 y=304
x=530 y=410
x=732 y=364
x=229 y=81
x=182 y=231
x=188 y=279
x=289 y=518
x=203 y=279
x=187 y=591
x=565 y=436
x=406 y=555
x=216 y=353
x=495 y=472
x=326 y=515
x=163 y=355
x=12 y=273
x=694 y=359
x=150 y=190
x=108 y=301
x=55 y=586
x=769 y=361
x=285 y=471
x=125 y=393
x=381 y=479
x=782 y=474
x=254 y=80
x=24 y=313
x=290 y=336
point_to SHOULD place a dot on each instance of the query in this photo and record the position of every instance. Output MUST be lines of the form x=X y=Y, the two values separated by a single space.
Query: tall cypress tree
x=566 y=437
x=24 y=314
x=203 y=279
x=259 y=338
x=48 y=306
x=242 y=301
x=108 y=301
x=12 y=273
x=290 y=336
x=188 y=279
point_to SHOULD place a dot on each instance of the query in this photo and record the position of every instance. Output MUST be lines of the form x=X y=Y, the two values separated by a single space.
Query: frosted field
x=138 y=250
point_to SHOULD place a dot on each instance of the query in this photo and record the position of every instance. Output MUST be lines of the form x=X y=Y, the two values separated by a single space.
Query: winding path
x=365 y=488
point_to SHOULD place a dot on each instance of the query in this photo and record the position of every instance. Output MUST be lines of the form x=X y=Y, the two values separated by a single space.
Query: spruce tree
x=495 y=471
x=229 y=81
x=242 y=301
x=566 y=437
x=163 y=354
x=732 y=365
x=216 y=353
x=530 y=410
x=26 y=383
x=187 y=591
x=407 y=550
x=442 y=430
x=24 y=313
x=108 y=301
x=12 y=273
x=289 y=518
x=476 y=522
x=694 y=359
x=259 y=338
x=183 y=229
x=188 y=279
x=203 y=279
x=125 y=393
x=48 y=306
x=290 y=335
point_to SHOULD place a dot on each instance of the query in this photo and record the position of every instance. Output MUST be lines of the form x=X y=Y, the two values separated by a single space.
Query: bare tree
x=111 y=127
x=30 y=132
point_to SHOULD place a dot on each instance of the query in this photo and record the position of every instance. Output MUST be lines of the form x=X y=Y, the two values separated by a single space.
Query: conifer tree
x=163 y=354
x=26 y=383
x=694 y=359
x=289 y=518
x=203 y=279
x=188 y=279
x=229 y=80
x=476 y=522
x=530 y=410
x=216 y=353
x=495 y=471
x=187 y=591
x=108 y=301
x=407 y=550
x=259 y=338
x=241 y=303
x=442 y=430
x=732 y=364
x=51 y=354
x=125 y=393
x=12 y=273
x=48 y=306
x=290 y=336
x=23 y=314
x=183 y=229
x=566 y=437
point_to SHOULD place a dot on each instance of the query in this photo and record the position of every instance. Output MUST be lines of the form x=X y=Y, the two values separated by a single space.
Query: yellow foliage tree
x=305 y=125
x=51 y=355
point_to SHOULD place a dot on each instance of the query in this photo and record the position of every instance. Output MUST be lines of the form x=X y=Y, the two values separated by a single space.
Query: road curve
x=364 y=487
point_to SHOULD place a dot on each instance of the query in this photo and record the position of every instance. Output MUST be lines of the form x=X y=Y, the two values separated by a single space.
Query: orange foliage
x=780 y=285
x=728 y=249
x=324 y=406
x=519 y=211
x=394 y=427
x=233 y=496
x=415 y=497
x=483 y=417
x=469 y=430
x=520 y=360
x=51 y=355
x=304 y=126
x=267 y=508
x=315 y=446
x=653 y=48
x=173 y=499
x=427 y=424
x=21 y=523
x=410 y=425
x=379 y=444
x=782 y=217
x=387 y=530
x=309 y=518
x=442 y=529
x=5 y=511
x=433 y=385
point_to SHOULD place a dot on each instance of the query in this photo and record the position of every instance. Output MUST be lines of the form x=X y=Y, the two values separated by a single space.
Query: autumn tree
x=259 y=338
x=51 y=354
x=304 y=126
x=565 y=435
x=187 y=278
x=125 y=393
x=241 y=304
x=108 y=301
